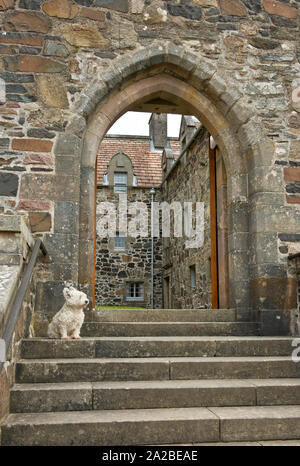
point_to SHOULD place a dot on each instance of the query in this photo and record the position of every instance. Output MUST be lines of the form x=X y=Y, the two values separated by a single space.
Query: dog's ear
x=66 y=293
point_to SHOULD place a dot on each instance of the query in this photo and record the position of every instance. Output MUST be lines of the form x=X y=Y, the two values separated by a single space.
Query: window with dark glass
x=193 y=277
x=120 y=182
x=135 y=292
x=119 y=242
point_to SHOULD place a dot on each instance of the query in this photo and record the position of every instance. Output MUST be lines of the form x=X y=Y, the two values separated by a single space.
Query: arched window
x=120 y=173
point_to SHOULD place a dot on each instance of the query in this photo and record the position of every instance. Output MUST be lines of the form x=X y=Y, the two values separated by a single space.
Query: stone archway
x=185 y=79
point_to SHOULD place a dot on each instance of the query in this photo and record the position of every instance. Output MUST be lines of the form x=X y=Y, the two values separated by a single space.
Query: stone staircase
x=156 y=377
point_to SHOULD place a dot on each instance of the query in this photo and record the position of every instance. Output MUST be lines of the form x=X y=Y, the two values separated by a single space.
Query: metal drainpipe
x=152 y=192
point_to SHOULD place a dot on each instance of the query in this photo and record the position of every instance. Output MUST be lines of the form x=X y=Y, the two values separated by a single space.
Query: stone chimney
x=158 y=130
x=167 y=160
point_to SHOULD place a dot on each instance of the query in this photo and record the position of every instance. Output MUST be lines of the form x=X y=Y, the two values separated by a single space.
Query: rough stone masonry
x=71 y=68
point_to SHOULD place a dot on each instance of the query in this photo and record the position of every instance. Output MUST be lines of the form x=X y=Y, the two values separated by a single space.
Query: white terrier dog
x=68 y=321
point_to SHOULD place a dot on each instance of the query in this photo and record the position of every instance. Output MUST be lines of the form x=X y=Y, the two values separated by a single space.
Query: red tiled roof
x=146 y=164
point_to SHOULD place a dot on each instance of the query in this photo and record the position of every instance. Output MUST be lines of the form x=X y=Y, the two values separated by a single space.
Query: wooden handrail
x=19 y=298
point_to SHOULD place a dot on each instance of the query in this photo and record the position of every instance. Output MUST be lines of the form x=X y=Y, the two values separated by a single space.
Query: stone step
x=134 y=347
x=258 y=423
x=258 y=443
x=161 y=315
x=114 y=369
x=153 y=426
x=125 y=427
x=80 y=396
x=139 y=329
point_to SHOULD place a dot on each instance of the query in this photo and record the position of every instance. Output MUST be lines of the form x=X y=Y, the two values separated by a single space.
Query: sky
x=136 y=123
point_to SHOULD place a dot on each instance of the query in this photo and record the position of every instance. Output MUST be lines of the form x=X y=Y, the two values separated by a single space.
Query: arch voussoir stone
x=239 y=114
x=76 y=125
x=215 y=87
x=249 y=134
x=229 y=98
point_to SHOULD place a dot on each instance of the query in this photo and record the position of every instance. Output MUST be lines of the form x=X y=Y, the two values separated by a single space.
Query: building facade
x=69 y=71
x=128 y=168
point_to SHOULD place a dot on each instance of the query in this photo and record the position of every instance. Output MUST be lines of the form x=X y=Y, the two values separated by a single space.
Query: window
x=119 y=242
x=105 y=179
x=135 y=292
x=134 y=181
x=120 y=182
x=193 y=277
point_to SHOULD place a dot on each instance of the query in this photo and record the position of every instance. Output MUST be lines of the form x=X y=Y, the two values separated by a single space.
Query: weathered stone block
x=291 y=174
x=215 y=87
x=17 y=78
x=27 y=21
x=83 y=36
x=52 y=91
x=95 y=15
x=263 y=179
x=62 y=248
x=67 y=144
x=137 y=6
x=39 y=159
x=21 y=38
x=233 y=8
x=40 y=221
x=40 y=133
x=264 y=43
x=76 y=125
x=34 y=145
x=9 y=183
x=278 y=8
x=6 y=4
x=33 y=63
x=67 y=165
x=49 y=187
x=289 y=237
x=274 y=218
x=238 y=217
x=84 y=2
x=212 y=3
x=61 y=9
x=263 y=248
x=26 y=204
x=123 y=34
x=8 y=50
x=119 y=5
x=55 y=49
x=4 y=143
x=274 y=293
x=186 y=11
x=155 y=13
x=30 y=4
x=66 y=217
x=21 y=98
x=238 y=264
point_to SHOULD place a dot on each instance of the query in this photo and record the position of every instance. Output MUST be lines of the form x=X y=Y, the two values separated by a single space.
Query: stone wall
x=238 y=68
x=114 y=269
x=15 y=244
x=188 y=181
